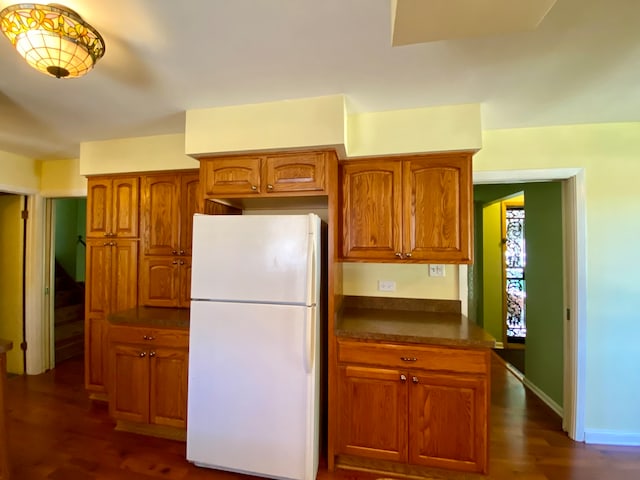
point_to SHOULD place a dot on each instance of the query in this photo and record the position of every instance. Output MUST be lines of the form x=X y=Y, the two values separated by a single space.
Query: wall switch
x=436 y=270
x=386 y=286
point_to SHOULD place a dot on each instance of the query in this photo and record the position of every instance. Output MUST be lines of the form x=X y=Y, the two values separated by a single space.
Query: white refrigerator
x=253 y=404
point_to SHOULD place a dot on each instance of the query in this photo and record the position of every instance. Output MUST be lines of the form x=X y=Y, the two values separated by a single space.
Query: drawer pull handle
x=403 y=377
x=143 y=354
x=409 y=359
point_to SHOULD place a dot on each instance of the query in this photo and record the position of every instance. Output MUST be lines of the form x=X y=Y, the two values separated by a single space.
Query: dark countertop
x=5 y=345
x=402 y=320
x=155 y=317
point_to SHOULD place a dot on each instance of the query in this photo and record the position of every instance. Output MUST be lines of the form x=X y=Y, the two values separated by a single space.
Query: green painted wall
x=11 y=250
x=70 y=223
x=544 y=277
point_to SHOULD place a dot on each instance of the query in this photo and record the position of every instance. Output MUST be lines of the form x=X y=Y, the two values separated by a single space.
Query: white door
x=252 y=399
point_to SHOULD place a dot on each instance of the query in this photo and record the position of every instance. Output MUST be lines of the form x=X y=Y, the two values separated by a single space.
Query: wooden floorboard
x=56 y=432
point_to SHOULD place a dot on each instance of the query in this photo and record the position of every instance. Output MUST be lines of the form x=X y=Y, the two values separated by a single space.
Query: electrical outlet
x=436 y=270
x=386 y=286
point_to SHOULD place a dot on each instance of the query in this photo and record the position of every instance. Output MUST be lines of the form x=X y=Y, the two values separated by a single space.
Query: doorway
x=571 y=264
x=65 y=265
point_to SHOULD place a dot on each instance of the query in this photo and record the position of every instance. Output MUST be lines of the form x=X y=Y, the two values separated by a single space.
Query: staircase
x=68 y=316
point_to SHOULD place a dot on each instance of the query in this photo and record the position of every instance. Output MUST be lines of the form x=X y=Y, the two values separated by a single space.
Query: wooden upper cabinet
x=412 y=209
x=112 y=206
x=160 y=217
x=437 y=199
x=295 y=173
x=371 y=209
x=168 y=204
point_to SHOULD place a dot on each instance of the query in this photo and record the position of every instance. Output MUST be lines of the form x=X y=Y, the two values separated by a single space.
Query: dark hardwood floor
x=55 y=432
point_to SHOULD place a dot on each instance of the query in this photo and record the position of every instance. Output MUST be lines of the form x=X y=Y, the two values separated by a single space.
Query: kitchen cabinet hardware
x=143 y=354
x=409 y=359
x=403 y=377
x=414 y=379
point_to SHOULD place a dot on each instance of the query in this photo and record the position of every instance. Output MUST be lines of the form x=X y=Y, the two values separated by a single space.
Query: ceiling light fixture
x=52 y=38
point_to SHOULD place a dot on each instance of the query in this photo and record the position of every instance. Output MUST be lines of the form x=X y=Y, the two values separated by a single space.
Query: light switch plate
x=386 y=286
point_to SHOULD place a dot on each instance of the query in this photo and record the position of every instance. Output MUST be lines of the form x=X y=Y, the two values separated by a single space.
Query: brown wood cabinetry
x=294 y=173
x=169 y=201
x=111 y=264
x=414 y=405
x=112 y=206
x=416 y=208
x=148 y=375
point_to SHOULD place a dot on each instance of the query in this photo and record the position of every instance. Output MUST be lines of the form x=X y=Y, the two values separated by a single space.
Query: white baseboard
x=611 y=437
x=544 y=397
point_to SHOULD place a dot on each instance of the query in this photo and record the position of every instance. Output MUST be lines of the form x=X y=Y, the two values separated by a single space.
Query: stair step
x=69 y=314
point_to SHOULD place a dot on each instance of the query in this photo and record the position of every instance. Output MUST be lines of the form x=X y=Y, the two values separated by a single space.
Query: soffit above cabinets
x=421 y=21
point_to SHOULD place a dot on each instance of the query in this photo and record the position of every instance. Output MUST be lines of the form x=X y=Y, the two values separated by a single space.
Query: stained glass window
x=515 y=282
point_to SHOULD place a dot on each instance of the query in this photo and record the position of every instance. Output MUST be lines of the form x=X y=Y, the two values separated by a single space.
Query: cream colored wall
x=140 y=154
x=61 y=178
x=433 y=129
x=11 y=278
x=19 y=174
x=301 y=123
x=412 y=281
x=610 y=156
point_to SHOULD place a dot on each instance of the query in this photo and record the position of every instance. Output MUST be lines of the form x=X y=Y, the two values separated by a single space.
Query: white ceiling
x=163 y=57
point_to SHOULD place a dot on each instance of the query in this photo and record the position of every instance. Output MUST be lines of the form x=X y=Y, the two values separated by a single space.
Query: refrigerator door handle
x=309 y=339
x=311 y=269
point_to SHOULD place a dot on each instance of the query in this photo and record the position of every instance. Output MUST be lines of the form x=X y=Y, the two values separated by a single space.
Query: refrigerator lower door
x=252 y=405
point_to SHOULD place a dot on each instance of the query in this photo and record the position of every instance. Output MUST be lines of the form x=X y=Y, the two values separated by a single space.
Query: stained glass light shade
x=52 y=38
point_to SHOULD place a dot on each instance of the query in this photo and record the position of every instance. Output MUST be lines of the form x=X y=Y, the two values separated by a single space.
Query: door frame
x=575 y=282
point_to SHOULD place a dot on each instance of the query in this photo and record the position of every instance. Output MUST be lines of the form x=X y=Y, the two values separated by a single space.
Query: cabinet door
x=160 y=218
x=448 y=422
x=125 y=207
x=98 y=267
x=129 y=382
x=123 y=281
x=99 y=205
x=185 y=282
x=371 y=209
x=168 y=387
x=304 y=172
x=190 y=203
x=372 y=413
x=231 y=176
x=159 y=281
x=437 y=207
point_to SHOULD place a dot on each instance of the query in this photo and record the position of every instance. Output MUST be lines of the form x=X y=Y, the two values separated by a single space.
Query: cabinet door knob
x=414 y=379
x=150 y=338
x=175 y=262
x=181 y=252
x=106 y=244
x=408 y=255
x=181 y=262
x=399 y=254
x=269 y=187
x=403 y=377
x=174 y=252
x=254 y=188
x=143 y=354
x=409 y=359
x=153 y=354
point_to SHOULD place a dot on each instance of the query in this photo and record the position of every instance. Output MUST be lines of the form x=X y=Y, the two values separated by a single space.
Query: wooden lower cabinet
x=435 y=418
x=148 y=371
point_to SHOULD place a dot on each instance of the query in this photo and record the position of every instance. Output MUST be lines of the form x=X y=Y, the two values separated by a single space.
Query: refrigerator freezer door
x=252 y=406
x=254 y=258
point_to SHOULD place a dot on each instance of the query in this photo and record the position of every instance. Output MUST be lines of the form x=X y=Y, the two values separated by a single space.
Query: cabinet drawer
x=413 y=356
x=152 y=336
